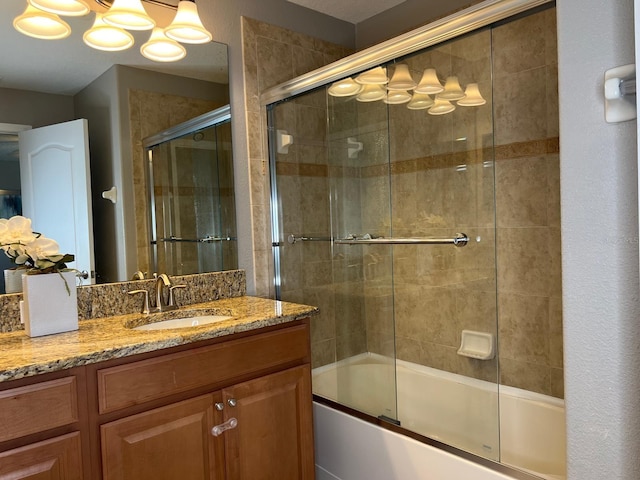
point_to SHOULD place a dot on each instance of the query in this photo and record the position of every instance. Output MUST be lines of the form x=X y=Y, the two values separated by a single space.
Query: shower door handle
x=459 y=240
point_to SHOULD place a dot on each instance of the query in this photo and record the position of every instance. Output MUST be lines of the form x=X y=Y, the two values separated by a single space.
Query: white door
x=56 y=188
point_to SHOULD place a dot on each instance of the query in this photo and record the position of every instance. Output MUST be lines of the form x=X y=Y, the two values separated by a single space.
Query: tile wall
x=445 y=178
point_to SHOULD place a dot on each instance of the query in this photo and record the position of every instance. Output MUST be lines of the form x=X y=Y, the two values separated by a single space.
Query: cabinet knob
x=228 y=425
x=232 y=402
x=219 y=406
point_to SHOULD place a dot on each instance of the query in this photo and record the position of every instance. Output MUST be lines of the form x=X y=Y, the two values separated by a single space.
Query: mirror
x=125 y=98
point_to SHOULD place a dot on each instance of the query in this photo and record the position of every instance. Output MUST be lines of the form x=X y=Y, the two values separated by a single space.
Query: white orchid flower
x=42 y=248
x=16 y=230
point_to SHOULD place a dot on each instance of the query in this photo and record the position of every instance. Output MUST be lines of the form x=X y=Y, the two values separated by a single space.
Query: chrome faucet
x=162 y=281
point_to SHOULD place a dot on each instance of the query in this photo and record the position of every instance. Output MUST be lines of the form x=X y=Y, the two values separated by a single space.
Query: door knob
x=219 y=406
x=232 y=402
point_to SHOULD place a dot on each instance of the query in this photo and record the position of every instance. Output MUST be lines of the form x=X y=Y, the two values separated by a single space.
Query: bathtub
x=519 y=428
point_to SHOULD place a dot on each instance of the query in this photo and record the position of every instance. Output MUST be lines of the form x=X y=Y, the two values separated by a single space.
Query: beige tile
x=323 y=353
x=557 y=382
x=520 y=45
x=523 y=328
x=528 y=376
x=521 y=192
x=553 y=190
x=555 y=332
x=520 y=106
x=524 y=264
x=275 y=63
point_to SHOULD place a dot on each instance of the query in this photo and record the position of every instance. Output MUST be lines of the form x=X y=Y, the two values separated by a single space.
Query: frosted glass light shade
x=187 y=27
x=159 y=48
x=129 y=14
x=472 y=97
x=375 y=76
x=401 y=79
x=38 y=24
x=420 y=101
x=429 y=83
x=452 y=89
x=73 y=8
x=103 y=36
x=371 y=93
x=344 y=88
x=440 y=107
x=396 y=97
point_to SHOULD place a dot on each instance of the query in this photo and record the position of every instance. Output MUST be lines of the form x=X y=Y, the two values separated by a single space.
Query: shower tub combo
x=422 y=218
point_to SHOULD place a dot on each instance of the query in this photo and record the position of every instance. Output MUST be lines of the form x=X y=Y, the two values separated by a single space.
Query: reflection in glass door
x=193 y=209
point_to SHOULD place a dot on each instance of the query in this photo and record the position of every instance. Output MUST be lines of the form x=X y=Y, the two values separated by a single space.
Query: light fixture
x=396 y=97
x=371 y=93
x=375 y=76
x=103 y=36
x=401 y=79
x=129 y=14
x=43 y=25
x=441 y=106
x=344 y=88
x=159 y=48
x=472 y=97
x=187 y=27
x=73 y=8
x=420 y=101
x=452 y=90
x=429 y=83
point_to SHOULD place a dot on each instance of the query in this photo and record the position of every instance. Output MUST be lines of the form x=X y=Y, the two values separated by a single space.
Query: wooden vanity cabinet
x=269 y=412
x=43 y=427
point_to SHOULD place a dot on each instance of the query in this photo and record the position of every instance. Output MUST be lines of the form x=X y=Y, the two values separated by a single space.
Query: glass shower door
x=316 y=190
x=192 y=202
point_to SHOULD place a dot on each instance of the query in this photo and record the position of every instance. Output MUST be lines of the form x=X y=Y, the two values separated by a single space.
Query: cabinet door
x=167 y=443
x=55 y=459
x=273 y=439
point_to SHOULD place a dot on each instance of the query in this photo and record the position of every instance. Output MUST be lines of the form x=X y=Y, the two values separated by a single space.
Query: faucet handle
x=145 y=304
x=172 y=299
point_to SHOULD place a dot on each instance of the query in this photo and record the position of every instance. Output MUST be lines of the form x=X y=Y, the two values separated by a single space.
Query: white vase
x=50 y=303
x=13 y=280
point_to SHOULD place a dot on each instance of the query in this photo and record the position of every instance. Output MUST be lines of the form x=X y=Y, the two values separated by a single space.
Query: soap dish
x=478 y=345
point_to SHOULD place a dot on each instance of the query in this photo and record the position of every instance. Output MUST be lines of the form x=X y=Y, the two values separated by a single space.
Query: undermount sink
x=183 y=322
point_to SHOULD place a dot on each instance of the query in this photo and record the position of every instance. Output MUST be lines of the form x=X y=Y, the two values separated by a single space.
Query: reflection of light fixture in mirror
x=187 y=27
x=452 y=90
x=420 y=101
x=396 y=97
x=472 y=97
x=441 y=106
x=38 y=24
x=103 y=36
x=159 y=48
x=129 y=14
x=371 y=93
x=344 y=88
x=73 y=8
x=401 y=78
x=429 y=83
x=375 y=76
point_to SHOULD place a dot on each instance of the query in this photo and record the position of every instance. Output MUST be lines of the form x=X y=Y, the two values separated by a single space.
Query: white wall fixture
x=284 y=140
x=620 y=94
x=111 y=194
x=354 y=147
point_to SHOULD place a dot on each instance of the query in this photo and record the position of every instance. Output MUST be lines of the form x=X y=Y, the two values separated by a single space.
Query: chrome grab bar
x=459 y=240
x=301 y=238
x=207 y=239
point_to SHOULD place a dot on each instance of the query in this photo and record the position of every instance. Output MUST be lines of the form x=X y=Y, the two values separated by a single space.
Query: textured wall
x=599 y=184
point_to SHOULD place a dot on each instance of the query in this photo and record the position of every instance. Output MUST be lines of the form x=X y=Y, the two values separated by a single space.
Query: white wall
x=598 y=163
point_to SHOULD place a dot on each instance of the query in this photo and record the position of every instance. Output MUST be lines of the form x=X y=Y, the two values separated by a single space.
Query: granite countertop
x=111 y=337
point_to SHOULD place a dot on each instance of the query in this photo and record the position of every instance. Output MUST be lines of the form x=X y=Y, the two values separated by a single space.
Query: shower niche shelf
x=478 y=345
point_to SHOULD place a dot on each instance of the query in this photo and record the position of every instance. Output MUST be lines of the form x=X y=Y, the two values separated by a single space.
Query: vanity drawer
x=38 y=407
x=146 y=380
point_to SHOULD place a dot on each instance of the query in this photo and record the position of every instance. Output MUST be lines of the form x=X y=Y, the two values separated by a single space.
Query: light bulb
x=472 y=97
x=39 y=24
x=103 y=36
x=344 y=88
x=129 y=14
x=72 y=8
x=159 y=48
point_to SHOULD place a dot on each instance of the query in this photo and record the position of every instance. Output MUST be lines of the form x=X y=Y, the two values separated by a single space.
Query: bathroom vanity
x=228 y=400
